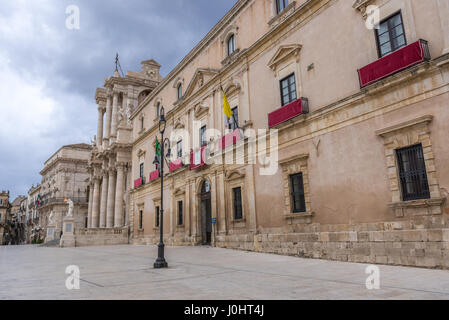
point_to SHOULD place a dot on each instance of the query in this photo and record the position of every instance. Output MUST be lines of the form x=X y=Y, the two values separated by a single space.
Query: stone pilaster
x=108 y=119
x=120 y=191
x=111 y=198
x=100 y=126
x=90 y=205
x=104 y=196
x=114 y=116
x=96 y=203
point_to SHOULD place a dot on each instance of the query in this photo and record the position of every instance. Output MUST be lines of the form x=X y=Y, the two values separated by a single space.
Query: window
x=179 y=91
x=158 y=109
x=237 y=193
x=281 y=5
x=141 y=170
x=85 y=222
x=231 y=45
x=391 y=36
x=140 y=219
x=180 y=221
x=288 y=89
x=297 y=193
x=141 y=123
x=179 y=148
x=203 y=141
x=157 y=217
x=233 y=122
x=412 y=173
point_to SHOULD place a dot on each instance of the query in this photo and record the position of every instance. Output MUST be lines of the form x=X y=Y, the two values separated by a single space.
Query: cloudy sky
x=48 y=73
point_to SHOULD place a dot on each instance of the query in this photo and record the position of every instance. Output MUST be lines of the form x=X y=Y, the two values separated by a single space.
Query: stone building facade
x=110 y=159
x=357 y=127
x=64 y=176
x=5 y=208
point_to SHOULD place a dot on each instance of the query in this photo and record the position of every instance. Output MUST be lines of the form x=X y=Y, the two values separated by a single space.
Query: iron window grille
x=288 y=89
x=140 y=219
x=180 y=216
x=297 y=193
x=232 y=123
x=238 y=214
x=203 y=141
x=157 y=217
x=412 y=173
x=391 y=35
x=231 y=45
x=141 y=170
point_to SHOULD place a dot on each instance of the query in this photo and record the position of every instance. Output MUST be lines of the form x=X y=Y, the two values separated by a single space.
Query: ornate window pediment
x=234 y=175
x=200 y=77
x=201 y=109
x=361 y=5
x=284 y=53
x=141 y=153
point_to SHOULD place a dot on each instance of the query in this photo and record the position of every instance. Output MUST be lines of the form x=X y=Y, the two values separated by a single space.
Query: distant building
x=64 y=177
x=4 y=214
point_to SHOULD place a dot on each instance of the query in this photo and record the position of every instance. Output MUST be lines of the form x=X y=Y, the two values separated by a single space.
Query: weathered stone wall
x=97 y=237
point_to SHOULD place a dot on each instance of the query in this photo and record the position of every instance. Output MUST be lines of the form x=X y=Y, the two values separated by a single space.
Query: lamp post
x=160 y=261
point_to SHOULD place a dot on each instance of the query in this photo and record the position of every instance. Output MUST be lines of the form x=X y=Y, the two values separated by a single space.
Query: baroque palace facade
x=355 y=119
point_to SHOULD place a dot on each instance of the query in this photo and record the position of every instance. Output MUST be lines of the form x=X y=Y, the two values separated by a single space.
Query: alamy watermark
x=373 y=280
x=73 y=280
x=72 y=21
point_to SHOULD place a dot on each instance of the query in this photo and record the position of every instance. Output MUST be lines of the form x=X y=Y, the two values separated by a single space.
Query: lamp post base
x=160 y=261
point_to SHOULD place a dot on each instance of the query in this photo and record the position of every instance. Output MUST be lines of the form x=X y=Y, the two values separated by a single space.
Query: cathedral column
x=104 y=195
x=120 y=190
x=114 y=116
x=96 y=203
x=108 y=120
x=111 y=199
x=89 y=208
x=100 y=125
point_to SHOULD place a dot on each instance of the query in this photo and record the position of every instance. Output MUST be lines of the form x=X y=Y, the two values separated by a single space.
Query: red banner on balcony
x=230 y=139
x=154 y=175
x=138 y=183
x=399 y=60
x=197 y=158
x=175 y=165
x=288 y=112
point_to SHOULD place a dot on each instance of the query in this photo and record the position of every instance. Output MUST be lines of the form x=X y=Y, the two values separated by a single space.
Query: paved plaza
x=125 y=272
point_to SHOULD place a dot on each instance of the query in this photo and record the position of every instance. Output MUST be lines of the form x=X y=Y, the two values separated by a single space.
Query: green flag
x=158 y=148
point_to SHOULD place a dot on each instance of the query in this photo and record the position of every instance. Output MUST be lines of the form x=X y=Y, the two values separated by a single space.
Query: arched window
x=179 y=91
x=231 y=45
x=158 y=109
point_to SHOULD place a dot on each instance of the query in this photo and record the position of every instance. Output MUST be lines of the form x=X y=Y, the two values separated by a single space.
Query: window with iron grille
x=179 y=149
x=180 y=217
x=288 y=89
x=281 y=5
x=238 y=214
x=140 y=219
x=390 y=35
x=232 y=123
x=412 y=173
x=179 y=91
x=157 y=216
x=203 y=141
x=297 y=193
x=141 y=170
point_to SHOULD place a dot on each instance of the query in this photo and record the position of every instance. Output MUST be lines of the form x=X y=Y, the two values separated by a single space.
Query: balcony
x=154 y=175
x=197 y=158
x=175 y=165
x=287 y=112
x=138 y=182
x=230 y=139
x=394 y=62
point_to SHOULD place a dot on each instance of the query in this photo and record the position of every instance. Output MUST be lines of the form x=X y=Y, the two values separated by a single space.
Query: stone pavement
x=125 y=272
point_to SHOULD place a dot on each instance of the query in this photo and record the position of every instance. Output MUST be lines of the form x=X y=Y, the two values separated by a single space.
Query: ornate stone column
x=104 y=196
x=111 y=198
x=96 y=203
x=108 y=119
x=120 y=191
x=114 y=116
x=89 y=208
x=100 y=125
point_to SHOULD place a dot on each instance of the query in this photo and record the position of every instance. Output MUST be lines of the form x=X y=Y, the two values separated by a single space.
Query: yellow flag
x=227 y=107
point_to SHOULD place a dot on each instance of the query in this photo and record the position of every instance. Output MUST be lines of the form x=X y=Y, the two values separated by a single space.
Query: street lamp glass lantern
x=162 y=121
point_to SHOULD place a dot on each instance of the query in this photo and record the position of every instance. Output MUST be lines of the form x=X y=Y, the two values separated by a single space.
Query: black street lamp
x=160 y=261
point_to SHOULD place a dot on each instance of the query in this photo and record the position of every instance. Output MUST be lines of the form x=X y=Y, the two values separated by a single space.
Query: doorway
x=206 y=214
